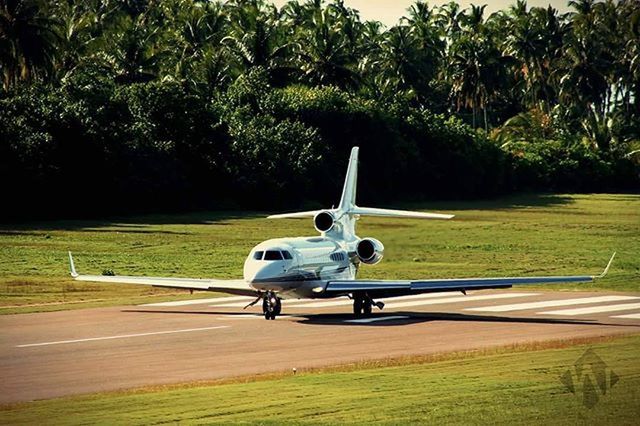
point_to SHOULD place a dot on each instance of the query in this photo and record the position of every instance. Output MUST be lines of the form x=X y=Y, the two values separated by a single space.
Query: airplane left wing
x=239 y=287
x=390 y=287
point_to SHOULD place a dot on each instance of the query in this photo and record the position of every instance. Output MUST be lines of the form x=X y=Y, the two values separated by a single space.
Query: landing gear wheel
x=271 y=306
x=362 y=304
x=278 y=308
x=366 y=307
x=357 y=306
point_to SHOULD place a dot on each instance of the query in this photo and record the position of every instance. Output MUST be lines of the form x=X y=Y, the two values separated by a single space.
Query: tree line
x=156 y=104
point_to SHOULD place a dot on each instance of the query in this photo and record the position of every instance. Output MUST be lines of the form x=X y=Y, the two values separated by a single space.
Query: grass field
x=518 y=385
x=524 y=235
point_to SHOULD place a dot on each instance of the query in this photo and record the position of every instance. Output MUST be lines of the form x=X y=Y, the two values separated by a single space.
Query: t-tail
x=341 y=220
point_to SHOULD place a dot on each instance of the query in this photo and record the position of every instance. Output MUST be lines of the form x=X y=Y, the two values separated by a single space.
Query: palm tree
x=78 y=29
x=473 y=20
x=535 y=40
x=448 y=19
x=586 y=61
x=28 y=41
x=203 y=60
x=257 y=40
x=478 y=71
x=133 y=50
x=326 y=56
x=631 y=55
x=429 y=36
x=404 y=64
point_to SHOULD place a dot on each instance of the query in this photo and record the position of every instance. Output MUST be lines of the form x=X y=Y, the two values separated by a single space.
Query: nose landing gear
x=271 y=305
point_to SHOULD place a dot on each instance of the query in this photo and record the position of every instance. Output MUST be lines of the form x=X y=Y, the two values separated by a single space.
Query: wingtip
x=72 y=267
x=606 y=269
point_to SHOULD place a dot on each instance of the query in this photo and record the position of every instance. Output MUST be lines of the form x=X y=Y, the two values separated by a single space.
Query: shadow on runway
x=417 y=317
x=377 y=320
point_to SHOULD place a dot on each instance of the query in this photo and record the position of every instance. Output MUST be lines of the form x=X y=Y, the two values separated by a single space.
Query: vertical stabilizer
x=348 y=199
x=348 y=212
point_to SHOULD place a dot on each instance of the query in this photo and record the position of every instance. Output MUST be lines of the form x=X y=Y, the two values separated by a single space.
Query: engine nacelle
x=370 y=251
x=324 y=221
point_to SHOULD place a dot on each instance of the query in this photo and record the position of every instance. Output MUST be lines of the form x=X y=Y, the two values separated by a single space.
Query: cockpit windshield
x=272 y=255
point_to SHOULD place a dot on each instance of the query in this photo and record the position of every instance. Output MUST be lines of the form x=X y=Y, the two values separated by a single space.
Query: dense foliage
x=147 y=104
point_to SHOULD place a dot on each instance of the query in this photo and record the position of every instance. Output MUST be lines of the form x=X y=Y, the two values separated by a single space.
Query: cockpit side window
x=258 y=255
x=286 y=255
x=272 y=255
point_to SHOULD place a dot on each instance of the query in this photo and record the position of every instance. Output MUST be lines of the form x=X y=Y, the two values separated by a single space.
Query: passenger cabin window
x=286 y=255
x=272 y=255
x=258 y=255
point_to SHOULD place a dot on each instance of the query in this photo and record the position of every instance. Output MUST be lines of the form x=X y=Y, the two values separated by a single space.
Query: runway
x=55 y=354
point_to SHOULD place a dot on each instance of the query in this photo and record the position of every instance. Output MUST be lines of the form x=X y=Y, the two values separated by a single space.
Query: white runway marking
x=552 y=303
x=458 y=299
x=367 y=320
x=628 y=316
x=242 y=316
x=594 y=310
x=199 y=301
x=122 y=336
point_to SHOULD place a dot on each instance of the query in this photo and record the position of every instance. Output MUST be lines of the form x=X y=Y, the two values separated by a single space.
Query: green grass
x=499 y=386
x=525 y=235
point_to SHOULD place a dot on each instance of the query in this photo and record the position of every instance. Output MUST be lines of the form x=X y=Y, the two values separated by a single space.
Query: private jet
x=326 y=265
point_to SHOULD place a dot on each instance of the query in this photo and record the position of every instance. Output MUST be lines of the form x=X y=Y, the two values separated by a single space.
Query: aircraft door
x=290 y=260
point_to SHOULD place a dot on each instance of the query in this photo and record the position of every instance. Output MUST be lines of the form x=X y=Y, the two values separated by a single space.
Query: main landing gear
x=271 y=305
x=363 y=304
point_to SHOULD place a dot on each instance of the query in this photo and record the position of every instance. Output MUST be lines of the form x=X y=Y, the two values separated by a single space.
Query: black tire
x=366 y=307
x=267 y=315
x=357 y=306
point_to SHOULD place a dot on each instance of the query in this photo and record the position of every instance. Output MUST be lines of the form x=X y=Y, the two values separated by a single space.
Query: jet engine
x=324 y=221
x=370 y=251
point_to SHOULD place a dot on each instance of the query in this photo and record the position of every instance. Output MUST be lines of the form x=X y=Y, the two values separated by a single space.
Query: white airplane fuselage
x=294 y=267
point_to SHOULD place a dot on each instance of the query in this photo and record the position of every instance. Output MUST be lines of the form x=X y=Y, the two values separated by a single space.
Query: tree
x=256 y=39
x=28 y=42
x=476 y=67
x=326 y=57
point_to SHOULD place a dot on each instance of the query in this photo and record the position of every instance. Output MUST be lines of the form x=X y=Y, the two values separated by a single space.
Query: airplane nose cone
x=261 y=272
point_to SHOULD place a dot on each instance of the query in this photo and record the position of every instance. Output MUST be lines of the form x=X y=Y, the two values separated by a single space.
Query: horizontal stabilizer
x=369 y=211
x=295 y=215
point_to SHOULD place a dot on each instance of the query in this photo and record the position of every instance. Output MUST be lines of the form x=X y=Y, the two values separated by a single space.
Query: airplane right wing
x=390 y=287
x=237 y=287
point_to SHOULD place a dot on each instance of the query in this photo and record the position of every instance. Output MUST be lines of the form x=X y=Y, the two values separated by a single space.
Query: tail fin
x=348 y=205
x=348 y=199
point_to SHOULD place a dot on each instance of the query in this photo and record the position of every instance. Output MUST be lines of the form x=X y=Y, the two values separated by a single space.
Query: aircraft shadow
x=346 y=319
x=419 y=317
